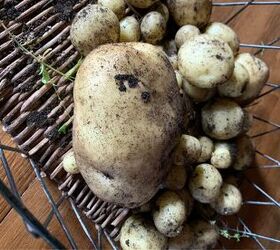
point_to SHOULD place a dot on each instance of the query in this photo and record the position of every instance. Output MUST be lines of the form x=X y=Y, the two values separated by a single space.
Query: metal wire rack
x=44 y=24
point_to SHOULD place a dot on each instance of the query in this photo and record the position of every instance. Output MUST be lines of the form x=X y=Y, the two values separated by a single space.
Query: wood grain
x=257 y=24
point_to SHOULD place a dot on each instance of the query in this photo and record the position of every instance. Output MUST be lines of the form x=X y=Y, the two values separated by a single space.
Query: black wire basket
x=38 y=116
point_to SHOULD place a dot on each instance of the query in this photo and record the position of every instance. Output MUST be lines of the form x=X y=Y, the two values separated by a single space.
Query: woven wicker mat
x=33 y=112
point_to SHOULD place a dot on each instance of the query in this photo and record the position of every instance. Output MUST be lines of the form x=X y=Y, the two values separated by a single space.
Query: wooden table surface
x=257 y=24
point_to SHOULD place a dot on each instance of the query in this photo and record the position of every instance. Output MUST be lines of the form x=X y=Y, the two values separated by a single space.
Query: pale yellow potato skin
x=183 y=241
x=195 y=12
x=222 y=119
x=258 y=75
x=185 y=33
x=235 y=86
x=229 y=200
x=138 y=233
x=153 y=27
x=225 y=33
x=117 y=6
x=142 y=4
x=207 y=148
x=94 y=25
x=205 y=183
x=205 y=61
x=69 y=163
x=169 y=214
x=122 y=139
x=222 y=156
x=129 y=29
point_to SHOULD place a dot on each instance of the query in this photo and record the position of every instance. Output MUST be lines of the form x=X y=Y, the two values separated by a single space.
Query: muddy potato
x=197 y=94
x=245 y=153
x=194 y=12
x=117 y=6
x=153 y=27
x=183 y=241
x=235 y=86
x=163 y=10
x=176 y=177
x=129 y=29
x=205 y=61
x=225 y=33
x=207 y=148
x=142 y=4
x=229 y=200
x=139 y=233
x=222 y=119
x=205 y=235
x=258 y=75
x=223 y=155
x=169 y=214
x=188 y=150
x=119 y=165
x=69 y=163
x=205 y=183
x=185 y=33
x=94 y=25
x=185 y=196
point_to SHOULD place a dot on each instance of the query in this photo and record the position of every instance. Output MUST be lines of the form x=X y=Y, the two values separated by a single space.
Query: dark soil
x=65 y=9
x=9 y=12
x=38 y=119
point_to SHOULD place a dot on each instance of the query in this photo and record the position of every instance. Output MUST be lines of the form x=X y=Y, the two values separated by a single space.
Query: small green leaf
x=71 y=72
x=63 y=129
x=45 y=74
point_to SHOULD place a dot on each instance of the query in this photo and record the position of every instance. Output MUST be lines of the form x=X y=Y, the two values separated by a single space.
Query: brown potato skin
x=122 y=140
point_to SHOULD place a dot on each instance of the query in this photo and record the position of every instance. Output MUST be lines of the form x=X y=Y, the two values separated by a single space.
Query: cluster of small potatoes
x=219 y=81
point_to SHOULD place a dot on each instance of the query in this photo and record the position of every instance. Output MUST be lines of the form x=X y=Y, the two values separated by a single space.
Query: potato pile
x=160 y=121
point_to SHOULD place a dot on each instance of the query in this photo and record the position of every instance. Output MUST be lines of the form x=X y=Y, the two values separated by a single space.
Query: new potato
x=129 y=29
x=128 y=114
x=185 y=33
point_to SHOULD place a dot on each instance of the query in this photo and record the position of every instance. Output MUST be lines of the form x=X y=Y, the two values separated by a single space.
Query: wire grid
x=38 y=229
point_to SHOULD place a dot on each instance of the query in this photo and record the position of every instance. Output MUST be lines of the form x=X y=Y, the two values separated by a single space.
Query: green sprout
x=63 y=129
x=45 y=76
x=235 y=236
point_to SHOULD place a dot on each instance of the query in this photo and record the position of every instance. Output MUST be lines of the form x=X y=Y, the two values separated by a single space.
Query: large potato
x=92 y=26
x=222 y=119
x=138 y=233
x=258 y=75
x=128 y=114
x=205 y=61
x=195 y=12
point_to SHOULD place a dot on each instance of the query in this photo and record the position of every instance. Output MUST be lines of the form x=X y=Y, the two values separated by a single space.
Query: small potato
x=142 y=4
x=229 y=200
x=183 y=241
x=153 y=27
x=129 y=29
x=185 y=33
x=245 y=153
x=222 y=119
x=170 y=214
x=69 y=163
x=225 y=33
x=197 y=94
x=205 y=61
x=223 y=155
x=179 y=78
x=188 y=200
x=235 y=86
x=139 y=233
x=92 y=26
x=162 y=9
x=176 y=177
x=174 y=61
x=258 y=75
x=207 y=148
x=188 y=150
x=117 y=6
x=205 y=183
x=205 y=235
x=195 y=12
